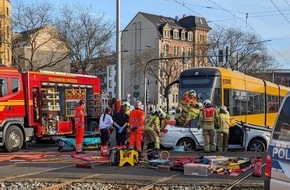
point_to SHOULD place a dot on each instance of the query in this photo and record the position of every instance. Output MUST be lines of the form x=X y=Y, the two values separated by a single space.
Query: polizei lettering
x=281 y=153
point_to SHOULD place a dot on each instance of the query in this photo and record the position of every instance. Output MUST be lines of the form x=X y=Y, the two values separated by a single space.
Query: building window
x=176 y=34
x=176 y=50
x=166 y=33
x=110 y=71
x=190 y=36
x=166 y=49
x=201 y=38
x=110 y=83
x=183 y=35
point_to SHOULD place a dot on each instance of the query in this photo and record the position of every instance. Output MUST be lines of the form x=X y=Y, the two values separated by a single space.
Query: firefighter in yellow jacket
x=207 y=119
x=193 y=113
x=223 y=129
x=188 y=98
x=152 y=130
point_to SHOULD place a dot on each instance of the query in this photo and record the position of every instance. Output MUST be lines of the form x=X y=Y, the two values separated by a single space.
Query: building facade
x=40 y=49
x=152 y=47
x=5 y=33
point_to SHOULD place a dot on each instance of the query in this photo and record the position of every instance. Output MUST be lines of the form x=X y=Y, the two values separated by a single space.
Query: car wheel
x=257 y=146
x=13 y=139
x=187 y=143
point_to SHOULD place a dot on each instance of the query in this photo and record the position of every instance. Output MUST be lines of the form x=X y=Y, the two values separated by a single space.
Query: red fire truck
x=41 y=104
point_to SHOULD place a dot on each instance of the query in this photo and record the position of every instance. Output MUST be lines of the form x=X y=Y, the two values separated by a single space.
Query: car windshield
x=282 y=127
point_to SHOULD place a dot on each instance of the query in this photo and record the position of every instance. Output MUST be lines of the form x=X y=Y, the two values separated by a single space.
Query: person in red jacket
x=79 y=119
x=137 y=124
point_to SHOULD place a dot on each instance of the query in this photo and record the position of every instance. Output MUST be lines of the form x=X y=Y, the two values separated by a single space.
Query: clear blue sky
x=268 y=18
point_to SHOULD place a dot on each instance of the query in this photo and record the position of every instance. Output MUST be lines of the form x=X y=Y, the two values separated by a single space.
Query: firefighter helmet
x=138 y=104
x=159 y=111
x=127 y=104
x=199 y=105
x=223 y=108
x=207 y=102
x=192 y=93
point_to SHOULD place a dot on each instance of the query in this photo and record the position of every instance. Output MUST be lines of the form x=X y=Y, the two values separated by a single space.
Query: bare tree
x=88 y=36
x=36 y=44
x=246 y=51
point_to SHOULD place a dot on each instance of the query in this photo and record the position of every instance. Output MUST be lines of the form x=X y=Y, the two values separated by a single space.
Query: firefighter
x=136 y=123
x=152 y=130
x=193 y=113
x=223 y=129
x=105 y=124
x=79 y=120
x=207 y=119
x=189 y=98
x=163 y=120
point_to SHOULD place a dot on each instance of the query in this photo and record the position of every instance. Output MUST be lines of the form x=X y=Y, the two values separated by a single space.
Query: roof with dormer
x=187 y=22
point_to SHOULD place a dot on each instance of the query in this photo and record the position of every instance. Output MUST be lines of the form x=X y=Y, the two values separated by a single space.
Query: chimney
x=184 y=15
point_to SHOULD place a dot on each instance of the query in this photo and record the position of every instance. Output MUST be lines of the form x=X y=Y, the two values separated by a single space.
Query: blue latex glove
x=120 y=129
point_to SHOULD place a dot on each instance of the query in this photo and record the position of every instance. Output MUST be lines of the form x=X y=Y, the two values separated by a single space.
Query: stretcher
x=68 y=143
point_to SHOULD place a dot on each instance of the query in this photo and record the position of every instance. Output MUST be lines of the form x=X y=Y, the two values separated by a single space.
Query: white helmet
x=138 y=104
x=192 y=93
x=199 y=105
x=127 y=104
x=223 y=108
x=159 y=111
x=207 y=102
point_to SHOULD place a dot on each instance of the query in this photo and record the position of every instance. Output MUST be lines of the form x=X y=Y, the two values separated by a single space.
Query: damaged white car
x=241 y=136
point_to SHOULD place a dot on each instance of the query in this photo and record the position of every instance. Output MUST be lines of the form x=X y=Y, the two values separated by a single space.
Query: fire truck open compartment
x=41 y=104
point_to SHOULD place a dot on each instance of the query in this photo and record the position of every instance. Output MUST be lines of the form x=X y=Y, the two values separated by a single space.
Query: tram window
x=258 y=103
x=244 y=103
x=236 y=102
x=226 y=98
x=217 y=97
x=250 y=103
x=273 y=103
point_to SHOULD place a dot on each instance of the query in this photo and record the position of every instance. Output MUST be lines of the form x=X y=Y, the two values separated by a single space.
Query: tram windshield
x=205 y=88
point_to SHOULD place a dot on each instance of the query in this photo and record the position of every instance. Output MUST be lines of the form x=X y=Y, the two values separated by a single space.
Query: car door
x=197 y=133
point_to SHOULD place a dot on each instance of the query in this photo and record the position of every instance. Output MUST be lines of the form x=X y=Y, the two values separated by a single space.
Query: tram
x=248 y=99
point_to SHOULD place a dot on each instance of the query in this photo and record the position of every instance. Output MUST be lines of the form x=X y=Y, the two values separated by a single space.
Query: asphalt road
x=51 y=164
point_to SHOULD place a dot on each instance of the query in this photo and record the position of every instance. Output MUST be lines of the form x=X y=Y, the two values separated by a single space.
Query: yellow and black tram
x=248 y=99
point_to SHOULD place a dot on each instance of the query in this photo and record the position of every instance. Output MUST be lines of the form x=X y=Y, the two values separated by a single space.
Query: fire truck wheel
x=13 y=139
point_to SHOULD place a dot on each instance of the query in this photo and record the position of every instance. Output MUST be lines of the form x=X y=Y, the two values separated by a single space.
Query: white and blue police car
x=277 y=171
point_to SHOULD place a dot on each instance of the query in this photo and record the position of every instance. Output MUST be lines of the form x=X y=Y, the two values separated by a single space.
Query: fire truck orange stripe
x=12 y=102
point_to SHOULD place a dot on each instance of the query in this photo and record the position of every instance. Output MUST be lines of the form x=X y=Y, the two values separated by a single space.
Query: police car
x=277 y=169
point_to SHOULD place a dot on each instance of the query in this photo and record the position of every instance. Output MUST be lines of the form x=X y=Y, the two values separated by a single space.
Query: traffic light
x=221 y=56
x=147 y=95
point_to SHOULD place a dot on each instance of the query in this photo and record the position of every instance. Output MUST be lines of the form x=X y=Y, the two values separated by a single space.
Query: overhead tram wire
x=253 y=30
x=280 y=11
x=183 y=4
